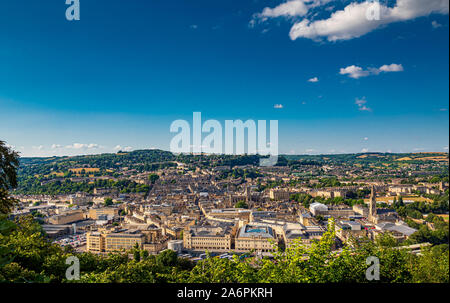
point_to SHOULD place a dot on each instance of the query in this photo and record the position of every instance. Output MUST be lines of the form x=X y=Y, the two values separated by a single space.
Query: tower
x=248 y=194
x=372 y=205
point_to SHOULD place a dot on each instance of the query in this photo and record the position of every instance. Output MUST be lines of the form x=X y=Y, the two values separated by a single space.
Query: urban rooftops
x=248 y=231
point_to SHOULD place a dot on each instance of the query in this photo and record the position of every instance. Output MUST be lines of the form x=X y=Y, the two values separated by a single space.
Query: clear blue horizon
x=117 y=78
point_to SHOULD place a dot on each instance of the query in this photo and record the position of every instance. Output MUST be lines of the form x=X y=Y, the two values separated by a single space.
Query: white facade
x=175 y=245
x=317 y=207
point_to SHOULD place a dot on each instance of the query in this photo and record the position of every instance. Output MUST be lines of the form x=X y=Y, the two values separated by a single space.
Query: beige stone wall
x=67 y=218
x=95 y=243
x=114 y=243
x=207 y=243
x=256 y=243
x=95 y=212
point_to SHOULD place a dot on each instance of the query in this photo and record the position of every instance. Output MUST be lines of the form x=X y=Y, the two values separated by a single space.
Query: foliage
x=9 y=162
x=241 y=204
x=153 y=178
x=27 y=256
x=108 y=202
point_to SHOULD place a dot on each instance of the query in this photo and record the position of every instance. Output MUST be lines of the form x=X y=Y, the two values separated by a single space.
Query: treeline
x=139 y=158
x=27 y=256
x=436 y=236
x=440 y=205
x=439 y=234
x=218 y=160
x=239 y=173
x=306 y=200
x=33 y=186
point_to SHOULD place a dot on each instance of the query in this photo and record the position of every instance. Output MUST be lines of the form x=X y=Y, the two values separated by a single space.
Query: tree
x=153 y=178
x=9 y=162
x=167 y=258
x=136 y=255
x=6 y=202
x=108 y=202
x=144 y=254
x=320 y=218
x=432 y=266
x=241 y=204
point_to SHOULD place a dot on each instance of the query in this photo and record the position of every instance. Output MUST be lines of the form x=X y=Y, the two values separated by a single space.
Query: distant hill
x=151 y=160
x=57 y=175
x=114 y=160
x=375 y=157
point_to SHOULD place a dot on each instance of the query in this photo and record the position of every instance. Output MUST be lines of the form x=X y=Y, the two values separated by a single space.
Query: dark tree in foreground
x=9 y=162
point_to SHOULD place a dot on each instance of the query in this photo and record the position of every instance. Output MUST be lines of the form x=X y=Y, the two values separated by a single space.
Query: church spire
x=372 y=203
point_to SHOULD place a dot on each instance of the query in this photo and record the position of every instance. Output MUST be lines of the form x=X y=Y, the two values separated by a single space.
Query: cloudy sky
x=340 y=76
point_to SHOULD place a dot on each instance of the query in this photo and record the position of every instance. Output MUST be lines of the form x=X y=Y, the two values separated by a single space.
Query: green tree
x=167 y=258
x=9 y=162
x=241 y=204
x=432 y=266
x=153 y=178
x=108 y=202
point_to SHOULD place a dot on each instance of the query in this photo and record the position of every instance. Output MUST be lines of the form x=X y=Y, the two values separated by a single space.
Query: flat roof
x=248 y=231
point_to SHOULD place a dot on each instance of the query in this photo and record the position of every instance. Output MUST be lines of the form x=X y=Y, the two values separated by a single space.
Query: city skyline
x=117 y=79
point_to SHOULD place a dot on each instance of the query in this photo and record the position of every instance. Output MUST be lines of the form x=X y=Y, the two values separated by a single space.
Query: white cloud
x=313 y=80
x=291 y=9
x=445 y=147
x=357 y=72
x=435 y=24
x=360 y=102
x=40 y=147
x=56 y=146
x=82 y=146
x=391 y=68
x=126 y=148
x=287 y=9
x=362 y=105
x=75 y=146
x=365 y=108
x=278 y=106
x=365 y=138
x=364 y=150
x=354 y=71
x=352 y=21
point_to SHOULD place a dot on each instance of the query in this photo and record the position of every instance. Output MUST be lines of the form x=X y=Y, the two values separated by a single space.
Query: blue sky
x=117 y=78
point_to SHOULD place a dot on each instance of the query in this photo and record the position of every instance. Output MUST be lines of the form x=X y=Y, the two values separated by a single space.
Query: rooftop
x=248 y=231
x=403 y=229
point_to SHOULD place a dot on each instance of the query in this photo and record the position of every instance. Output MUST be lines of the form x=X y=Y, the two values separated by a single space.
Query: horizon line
x=222 y=154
